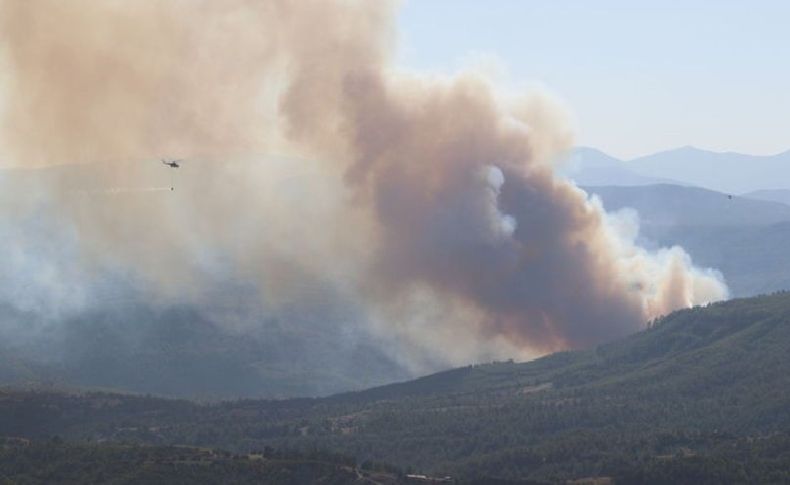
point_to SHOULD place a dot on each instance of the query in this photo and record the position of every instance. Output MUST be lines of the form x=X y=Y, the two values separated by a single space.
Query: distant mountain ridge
x=777 y=195
x=729 y=172
x=592 y=167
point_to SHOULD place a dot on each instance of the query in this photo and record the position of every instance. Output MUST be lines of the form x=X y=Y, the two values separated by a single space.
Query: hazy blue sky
x=640 y=76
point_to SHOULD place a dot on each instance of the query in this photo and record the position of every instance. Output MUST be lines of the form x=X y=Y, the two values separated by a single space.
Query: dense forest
x=702 y=396
x=54 y=461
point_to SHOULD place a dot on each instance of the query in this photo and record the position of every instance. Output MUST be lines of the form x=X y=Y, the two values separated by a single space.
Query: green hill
x=703 y=396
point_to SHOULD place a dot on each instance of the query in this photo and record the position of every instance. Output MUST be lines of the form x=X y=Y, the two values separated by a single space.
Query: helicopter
x=171 y=164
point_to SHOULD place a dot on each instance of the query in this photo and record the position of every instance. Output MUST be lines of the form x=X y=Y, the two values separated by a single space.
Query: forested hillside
x=54 y=461
x=702 y=393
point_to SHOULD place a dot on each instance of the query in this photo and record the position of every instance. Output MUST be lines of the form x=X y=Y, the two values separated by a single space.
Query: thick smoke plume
x=430 y=202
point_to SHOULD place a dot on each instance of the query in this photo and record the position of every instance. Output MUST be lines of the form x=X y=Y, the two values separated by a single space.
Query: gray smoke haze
x=428 y=205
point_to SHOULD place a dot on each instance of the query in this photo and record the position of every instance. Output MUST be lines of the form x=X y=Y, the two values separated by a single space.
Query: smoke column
x=431 y=202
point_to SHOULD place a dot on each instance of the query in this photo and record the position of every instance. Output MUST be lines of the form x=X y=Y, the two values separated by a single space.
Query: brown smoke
x=433 y=196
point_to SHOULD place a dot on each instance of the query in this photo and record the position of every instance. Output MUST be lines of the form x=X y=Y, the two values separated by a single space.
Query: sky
x=639 y=77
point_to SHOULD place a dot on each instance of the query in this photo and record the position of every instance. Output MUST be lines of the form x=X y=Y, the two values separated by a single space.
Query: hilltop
x=730 y=172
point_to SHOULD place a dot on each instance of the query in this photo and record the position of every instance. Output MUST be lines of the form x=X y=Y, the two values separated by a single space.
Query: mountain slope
x=700 y=389
x=778 y=195
x=753 y=259
x=178 y=351
x=737 y=339
x=667 y=205
x=743 y=238
x=70 y=320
